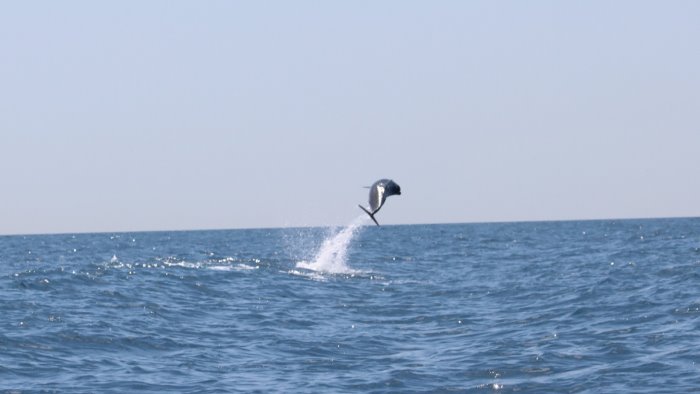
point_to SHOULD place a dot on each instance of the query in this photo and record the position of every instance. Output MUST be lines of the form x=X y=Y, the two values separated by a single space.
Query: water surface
x=589 y=306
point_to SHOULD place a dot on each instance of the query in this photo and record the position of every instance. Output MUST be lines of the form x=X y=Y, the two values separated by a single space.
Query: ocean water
x=554 y=307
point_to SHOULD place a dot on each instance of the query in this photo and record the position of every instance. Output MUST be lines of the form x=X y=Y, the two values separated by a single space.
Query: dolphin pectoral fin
x=371 y=215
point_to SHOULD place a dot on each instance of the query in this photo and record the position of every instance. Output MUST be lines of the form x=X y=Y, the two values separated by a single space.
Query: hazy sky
x=163 y=115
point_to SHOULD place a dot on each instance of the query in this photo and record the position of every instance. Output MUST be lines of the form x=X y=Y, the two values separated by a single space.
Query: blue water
x=590 y=306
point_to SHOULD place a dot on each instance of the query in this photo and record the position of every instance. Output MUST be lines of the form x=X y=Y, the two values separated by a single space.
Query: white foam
x=181 y=264
x=332 y=255
x=311 y=275
x=237 y=267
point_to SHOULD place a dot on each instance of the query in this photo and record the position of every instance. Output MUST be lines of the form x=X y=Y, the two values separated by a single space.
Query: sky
x=175 y=115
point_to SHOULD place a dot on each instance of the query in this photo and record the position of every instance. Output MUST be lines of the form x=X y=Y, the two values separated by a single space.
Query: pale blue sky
x=162 y=115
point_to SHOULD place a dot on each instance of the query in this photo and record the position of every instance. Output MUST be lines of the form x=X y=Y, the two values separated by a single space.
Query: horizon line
x=333 y=226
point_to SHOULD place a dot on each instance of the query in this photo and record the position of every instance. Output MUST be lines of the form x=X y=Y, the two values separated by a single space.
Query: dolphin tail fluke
x=371 y=215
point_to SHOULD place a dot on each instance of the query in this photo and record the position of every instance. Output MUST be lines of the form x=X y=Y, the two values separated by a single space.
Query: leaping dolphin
x=378 y=193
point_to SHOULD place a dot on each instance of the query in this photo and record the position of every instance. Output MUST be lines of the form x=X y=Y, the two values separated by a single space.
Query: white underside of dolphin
x=378 y=193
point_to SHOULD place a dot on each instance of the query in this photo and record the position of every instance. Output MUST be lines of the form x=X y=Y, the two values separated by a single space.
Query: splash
x=332 y=256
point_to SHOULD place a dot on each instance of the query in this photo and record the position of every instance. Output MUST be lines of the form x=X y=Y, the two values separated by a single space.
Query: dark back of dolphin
x=378 y=193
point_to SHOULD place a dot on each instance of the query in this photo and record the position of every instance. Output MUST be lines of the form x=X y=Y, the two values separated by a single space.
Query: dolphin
x=378 y=193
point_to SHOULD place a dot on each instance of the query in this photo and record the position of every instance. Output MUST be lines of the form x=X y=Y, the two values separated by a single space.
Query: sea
x=604 y=306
